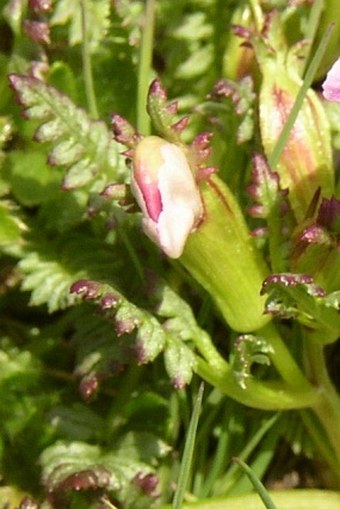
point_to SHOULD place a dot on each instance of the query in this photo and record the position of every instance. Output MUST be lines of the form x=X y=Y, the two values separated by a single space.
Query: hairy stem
x=87 y=64
x=145 y=67
x=327 y=407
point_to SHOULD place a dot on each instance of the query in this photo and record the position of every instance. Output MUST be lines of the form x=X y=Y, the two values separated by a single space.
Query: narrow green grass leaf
x=309 y=76
x=188 y=452
x=260 y=489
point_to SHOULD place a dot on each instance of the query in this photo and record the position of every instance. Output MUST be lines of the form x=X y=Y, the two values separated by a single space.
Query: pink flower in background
x=331 y=85
x=166 y=191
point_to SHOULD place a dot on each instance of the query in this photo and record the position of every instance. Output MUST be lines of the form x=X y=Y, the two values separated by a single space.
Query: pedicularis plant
x=196 y=238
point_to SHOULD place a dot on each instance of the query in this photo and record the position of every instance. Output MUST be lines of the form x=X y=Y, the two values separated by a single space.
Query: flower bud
x=306 y=161
x=331 y=85
x=166 y=191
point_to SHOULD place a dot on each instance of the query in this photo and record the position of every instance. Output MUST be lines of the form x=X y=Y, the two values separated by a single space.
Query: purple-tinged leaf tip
x=288 y=279
x=241 y=31
x=172 y=108
x=38 y=31
x=123 y=132
x=147 y=483
x=156 y=89
x=178 y=382
x=40 y=6
x=86 y=479
x=205 y=173
x=89 y=386
x=181 y=124
x=28 y=503
x=109 y=300
x=329 y=214
x=89 y=289
x=225 y=88
x=126 y=325
x=114 y=192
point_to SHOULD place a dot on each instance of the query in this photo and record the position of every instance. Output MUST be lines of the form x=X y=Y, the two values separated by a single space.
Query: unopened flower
x=306 y=163
x=331 y=85
x=166 y=191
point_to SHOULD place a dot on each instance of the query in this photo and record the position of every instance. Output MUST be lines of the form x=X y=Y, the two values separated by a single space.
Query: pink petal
x=331 y=85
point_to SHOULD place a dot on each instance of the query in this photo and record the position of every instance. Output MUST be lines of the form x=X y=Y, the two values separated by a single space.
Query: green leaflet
x=50 y=267
x=89 y=467
x=69 y=12
x=84 y=146
x=10 y=225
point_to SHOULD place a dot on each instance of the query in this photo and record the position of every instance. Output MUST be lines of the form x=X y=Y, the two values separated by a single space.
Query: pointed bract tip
x=156 y=88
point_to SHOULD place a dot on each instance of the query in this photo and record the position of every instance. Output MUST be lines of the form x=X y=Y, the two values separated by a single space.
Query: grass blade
x=260 y=489
x=188 y=452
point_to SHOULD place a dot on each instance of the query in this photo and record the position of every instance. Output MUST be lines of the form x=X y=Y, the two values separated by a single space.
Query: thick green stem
x=87 y=65
x=145 y=66
x=283 y=360
x=264 y=395
x=327 y=406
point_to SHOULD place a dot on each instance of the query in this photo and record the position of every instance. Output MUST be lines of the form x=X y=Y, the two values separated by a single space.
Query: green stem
x=283 y=360
x=87 y=65
x=296 y=388
x=145 y=67
x=206 y=348
x=265 y=395
x=327 y=406
x=257 y=13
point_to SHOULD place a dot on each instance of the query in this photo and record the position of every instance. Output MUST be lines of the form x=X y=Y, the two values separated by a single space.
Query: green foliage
x=297 y=296
x=98 y=22
x=85 y=147
x=103 y=340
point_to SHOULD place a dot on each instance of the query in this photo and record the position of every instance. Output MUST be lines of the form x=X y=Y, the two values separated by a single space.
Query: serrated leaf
x=142 y=446
x=15 y=363
x=75 y=137
x=150 y=336
x=51 y=267
x=32 y=181
x=100 y=353
x=77 y=422
x=80 y=466
x=265 y=187
x=271 y=205
x=97 y=15
x=6 y=130
x=180 y=362
x=241 y=96
x=297 y=296
x=11 y=226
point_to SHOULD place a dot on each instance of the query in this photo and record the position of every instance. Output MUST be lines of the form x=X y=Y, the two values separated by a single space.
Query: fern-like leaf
x=97 y=15
x=150 y=336
x=50 y=268
x=83 y=145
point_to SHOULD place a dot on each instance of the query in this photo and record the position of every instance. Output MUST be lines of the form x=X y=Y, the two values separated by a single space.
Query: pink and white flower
x=167 y=193
x=331 y=85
